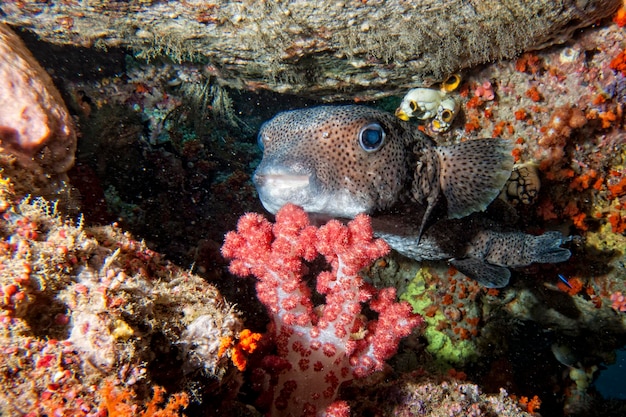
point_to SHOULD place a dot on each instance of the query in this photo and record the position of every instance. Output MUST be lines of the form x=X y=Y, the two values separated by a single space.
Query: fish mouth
x=277 y=187
x=279 y=181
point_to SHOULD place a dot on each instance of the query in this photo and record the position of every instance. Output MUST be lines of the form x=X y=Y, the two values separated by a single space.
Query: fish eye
x=447 y=116
x=371 y=137
x=413 y=105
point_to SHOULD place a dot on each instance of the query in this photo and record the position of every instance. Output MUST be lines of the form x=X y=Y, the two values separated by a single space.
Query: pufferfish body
x=340 y=161
x=346 y=160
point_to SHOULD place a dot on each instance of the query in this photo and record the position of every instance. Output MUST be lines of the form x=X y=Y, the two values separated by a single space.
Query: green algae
x=445 y=351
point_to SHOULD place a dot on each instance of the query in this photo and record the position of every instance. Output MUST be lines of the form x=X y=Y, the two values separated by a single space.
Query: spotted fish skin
x=312 y=158
x=316 y=158
x=340 y=161
x=478 y=246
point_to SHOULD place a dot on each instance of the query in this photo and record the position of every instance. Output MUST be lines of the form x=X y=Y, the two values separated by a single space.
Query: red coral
x=318 y=349
x=474 y=102
x=118 y=402
x=529 y=63
x=584 y=181
x=619 y=63
x=617 y=188
x=521 y=114
x=575 y=286
x=618 y=222
x=531 y=405
x=248 y=343
x=607 y=118
x=534 y=94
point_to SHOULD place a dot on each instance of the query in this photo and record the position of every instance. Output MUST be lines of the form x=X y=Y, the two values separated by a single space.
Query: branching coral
x=318 y=347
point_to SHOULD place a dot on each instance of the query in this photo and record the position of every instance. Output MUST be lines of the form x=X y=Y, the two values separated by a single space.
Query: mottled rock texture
x=37 y=134
x=329 y=50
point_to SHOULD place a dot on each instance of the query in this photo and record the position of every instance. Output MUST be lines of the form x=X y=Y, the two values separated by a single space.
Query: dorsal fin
x=472 y=173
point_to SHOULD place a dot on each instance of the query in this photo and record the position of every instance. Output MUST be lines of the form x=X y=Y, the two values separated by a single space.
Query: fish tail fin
x=473 y=174
x=546 y=248
x=491 y=253
x=516 y=249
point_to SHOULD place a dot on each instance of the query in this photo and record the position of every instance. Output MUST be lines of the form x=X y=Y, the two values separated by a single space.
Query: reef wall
x=330 y=50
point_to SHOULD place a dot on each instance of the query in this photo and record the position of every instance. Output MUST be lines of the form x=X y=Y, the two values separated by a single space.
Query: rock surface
x=330 y=50
x=37 y=134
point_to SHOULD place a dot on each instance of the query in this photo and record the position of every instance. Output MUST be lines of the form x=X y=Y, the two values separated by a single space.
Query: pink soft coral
x=318 y=348
x=619 y=301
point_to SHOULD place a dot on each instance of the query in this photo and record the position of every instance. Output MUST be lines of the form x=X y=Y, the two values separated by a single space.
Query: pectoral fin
x=472 y=174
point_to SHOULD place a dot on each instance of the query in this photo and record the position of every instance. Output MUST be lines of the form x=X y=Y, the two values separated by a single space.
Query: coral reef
x=172 y=132
x=93 y=321
x=420 y=393
x=86 y=309
x=117 y=402
x=563 y=107
x=450 y=304
x=318 y=347
x=330 y=50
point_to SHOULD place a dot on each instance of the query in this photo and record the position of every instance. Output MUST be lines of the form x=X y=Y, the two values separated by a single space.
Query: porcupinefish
x=340 y=161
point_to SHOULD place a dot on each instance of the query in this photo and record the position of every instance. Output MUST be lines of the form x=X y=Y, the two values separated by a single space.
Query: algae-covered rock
x=446 y=343
x=83 y=309
x=330 y=50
